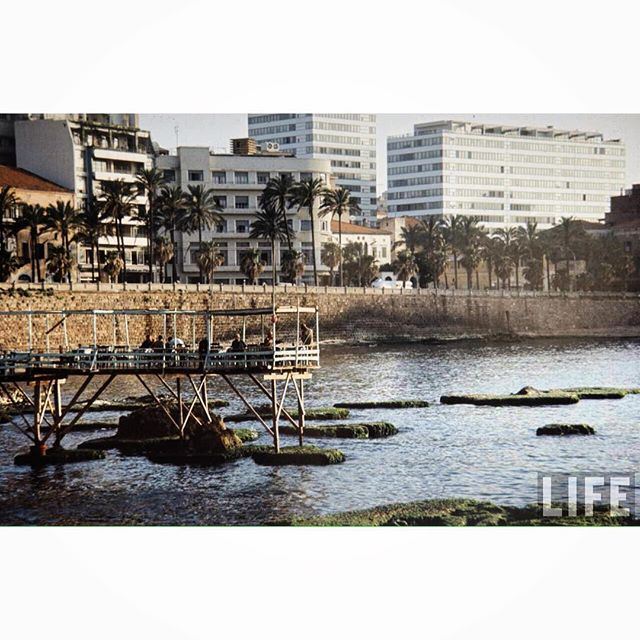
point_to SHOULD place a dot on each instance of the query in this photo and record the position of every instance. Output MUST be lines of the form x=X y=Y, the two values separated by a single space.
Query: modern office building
x=503 y=175
x=237 y=181
x=80 y=152
x=348 y=140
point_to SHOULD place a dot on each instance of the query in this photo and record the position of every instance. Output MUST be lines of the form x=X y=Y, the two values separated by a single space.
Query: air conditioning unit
x=270 y=146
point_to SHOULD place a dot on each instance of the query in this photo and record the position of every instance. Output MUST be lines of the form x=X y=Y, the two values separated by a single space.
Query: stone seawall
x=352 y=315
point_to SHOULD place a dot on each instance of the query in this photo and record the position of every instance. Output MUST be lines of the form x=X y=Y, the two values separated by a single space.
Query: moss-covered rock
x=190 y=457
x=306 y=455
x=383 y=404
x=131 y=446
x=314 y=413
x=58 y=455
x=358 y=430
x=565 y=430
x=459 y=512
x=526 y=397
x=246 y=435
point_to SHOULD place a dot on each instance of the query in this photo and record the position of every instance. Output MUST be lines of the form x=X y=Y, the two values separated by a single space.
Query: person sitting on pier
x=306 y=334
x=159 y=345
x=238 y=343
x=147 y=343
x=203 y=346
x=268 y=340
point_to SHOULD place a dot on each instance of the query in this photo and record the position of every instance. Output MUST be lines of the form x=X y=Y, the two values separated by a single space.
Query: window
x=307 y=249
x=221 y=227
x=222 y=201
x=263 y=177
x=305 y=175
x=169 y=175
x=196 y=176
x=305 y=225
x=242 y=177
x=219 y=177
x=242 y=202
x=242 y=226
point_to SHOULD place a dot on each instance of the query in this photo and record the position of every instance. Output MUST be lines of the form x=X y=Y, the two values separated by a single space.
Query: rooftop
x=350 y=228
x=467 y=127
x=21 y=179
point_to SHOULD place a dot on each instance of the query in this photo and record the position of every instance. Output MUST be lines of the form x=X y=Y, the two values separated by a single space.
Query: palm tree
x=119 y=203
x=59 y=263
x=337 y=202
x=171 y=207
x=452 y=226
x=209 y=259
x=64 y=220
x=568 y=234
x=251 y=265
x=8 y=202
x=360 y=266
x=148 y=181
x=202 y=212
x=91 y=228
x=528 y=240
x=305 y=194
x=292 y=264
x=470 y=243
x=412 y=237
x=270 y=225
x=162 y=253
x=32 y=218
x=278 y=194
x=8 y=264
x=433 y=256
x=113 y=265
x=405 y=266
x=507 y=237
x=330 y=256
x=490 y=251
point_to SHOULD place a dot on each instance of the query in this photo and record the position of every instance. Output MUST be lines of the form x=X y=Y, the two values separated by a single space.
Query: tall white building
x=503 y=175
x=80 y=152
x=237 y=182
x=348 y=140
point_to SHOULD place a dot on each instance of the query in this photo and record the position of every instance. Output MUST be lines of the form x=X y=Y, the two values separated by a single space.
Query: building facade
x=376 y=242
x=503 y=175
x=237 y=181
x=347 y=140
x=82 y=153
x=30 y=189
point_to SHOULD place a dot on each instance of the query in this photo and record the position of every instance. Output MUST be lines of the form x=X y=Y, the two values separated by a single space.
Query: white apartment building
x=376 y=242
x=347 y=140
x=238 y=181
x=80 y=154
x=503 y=175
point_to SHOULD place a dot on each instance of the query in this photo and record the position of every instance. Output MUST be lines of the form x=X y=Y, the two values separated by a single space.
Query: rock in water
x=566 y=430
x=152 y=422
x=212 y=437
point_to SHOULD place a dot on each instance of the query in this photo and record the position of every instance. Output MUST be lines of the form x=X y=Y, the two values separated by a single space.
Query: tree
x=64 y=220
x=162 y=253
x=59 y=263
x=202 y=212
x=452 y=227
x=148 y=181
x=91 y=228
x=568 y=234
x=405 y=266
x=32 y=218
x=209 y=259
x=292 y=264
x=360 y=267
x=119 y=203
x=470 y=243
x=490 y=252
x=278 y=194
x=8 y=264
x=270 y=225
x=171 y=206
x=411 y=237
x=432 y=258
x=528 y=240
x=305 y=194
x=8 y=202
x=506 y=261
x=251 y=265
x=113 y=266
x=337 y=202
x=330 y=256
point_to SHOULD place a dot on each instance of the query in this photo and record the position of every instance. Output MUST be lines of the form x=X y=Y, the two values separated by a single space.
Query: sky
x=215 y=130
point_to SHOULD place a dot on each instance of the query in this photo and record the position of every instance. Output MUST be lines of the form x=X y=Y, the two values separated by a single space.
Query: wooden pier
x=278 y=349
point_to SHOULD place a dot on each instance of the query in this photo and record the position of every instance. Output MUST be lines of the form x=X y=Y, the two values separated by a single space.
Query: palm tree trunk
x=517 y=273
x=313 y=245
x=340 y=243
x=273 y=260
x=97 y=258
x=174 y=264
x=469 y=278
x=199 y=247
x=489 y=270
x=33 y=258
x=150 y=235
x=455 y=270
x=478 y=279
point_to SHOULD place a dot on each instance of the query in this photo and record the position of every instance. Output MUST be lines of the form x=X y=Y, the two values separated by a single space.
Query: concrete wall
x=352 y=315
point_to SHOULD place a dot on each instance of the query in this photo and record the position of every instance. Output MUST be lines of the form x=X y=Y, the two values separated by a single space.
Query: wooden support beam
x=174 y=394
x=28 y=431
x=198 y=391
x=266 y=392
x=247 y=403
x=159 y=403
x=274 y=417
x=78 y=393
